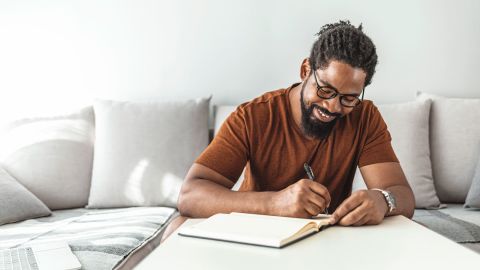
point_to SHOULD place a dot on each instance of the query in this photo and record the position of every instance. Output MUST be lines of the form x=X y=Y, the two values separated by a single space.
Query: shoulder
x=256 y=116
x=367 y=106
x=266 y=100
x=362 y=119
x=263 y=106
x=365 y=111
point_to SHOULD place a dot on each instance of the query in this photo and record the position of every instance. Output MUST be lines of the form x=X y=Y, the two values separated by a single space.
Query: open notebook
x=271 y=231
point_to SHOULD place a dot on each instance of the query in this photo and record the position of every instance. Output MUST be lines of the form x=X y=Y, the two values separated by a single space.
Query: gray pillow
x=17 y=203
x=473 y=196
x=454 y=138
x=408 y=125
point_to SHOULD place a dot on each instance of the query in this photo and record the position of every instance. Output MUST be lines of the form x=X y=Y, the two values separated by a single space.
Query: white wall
x=60 y=52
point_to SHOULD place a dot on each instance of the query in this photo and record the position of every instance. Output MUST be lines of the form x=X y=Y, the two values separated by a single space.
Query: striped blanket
x=100 y=238
x=455 y=222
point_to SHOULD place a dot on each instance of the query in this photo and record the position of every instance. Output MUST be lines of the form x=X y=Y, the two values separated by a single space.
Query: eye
x=350 y=98
x=327 y=91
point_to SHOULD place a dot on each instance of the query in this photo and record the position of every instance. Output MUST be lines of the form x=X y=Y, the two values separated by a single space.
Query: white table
x=397 y=243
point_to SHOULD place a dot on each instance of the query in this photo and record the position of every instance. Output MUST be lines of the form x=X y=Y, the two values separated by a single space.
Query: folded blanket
x=100 y=239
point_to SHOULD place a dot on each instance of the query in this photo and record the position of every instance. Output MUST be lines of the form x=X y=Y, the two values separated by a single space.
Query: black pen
x=309 y=171
x=311 y=176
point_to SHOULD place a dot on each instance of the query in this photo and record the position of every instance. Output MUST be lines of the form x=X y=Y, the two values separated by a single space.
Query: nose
x=334 y=105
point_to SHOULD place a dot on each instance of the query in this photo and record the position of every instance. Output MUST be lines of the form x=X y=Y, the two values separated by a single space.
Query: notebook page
x=257 y=229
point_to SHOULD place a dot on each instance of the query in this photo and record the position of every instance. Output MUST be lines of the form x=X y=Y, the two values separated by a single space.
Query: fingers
x=313 y=203
x=356 y=217
x=317 y=197
x=322 y=191
x=359 y=209
x=349 y=205
x=312 y=209
x=319 y=202
x=362 y=221
x=304 y=198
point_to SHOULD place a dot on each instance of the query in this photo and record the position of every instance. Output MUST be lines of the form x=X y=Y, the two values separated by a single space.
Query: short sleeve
x=228 y=152
x=378 y=143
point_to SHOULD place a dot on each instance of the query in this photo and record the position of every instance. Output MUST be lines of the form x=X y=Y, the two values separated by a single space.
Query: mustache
x=325 y=111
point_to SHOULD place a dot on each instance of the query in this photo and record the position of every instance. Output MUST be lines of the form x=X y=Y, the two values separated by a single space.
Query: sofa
x=105 y=178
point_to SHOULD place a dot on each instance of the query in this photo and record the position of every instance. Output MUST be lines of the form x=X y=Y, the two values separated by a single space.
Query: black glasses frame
x=336 y=93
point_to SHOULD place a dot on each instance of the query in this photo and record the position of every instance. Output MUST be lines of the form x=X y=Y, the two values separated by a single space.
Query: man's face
x=320 y=115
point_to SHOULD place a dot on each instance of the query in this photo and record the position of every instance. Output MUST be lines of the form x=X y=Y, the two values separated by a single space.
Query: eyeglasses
x=327 y=92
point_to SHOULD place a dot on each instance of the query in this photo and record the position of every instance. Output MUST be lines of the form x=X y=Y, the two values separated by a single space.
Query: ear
x=305 y=69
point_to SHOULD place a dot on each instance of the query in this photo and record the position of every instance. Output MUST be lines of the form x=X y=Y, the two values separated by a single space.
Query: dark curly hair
x=344 y=42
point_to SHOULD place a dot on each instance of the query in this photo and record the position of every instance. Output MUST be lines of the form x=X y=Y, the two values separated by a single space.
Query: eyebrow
x=331 y=86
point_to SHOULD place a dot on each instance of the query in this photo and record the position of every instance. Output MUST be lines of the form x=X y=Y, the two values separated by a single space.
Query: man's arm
x=369 y=206
x=206 y=192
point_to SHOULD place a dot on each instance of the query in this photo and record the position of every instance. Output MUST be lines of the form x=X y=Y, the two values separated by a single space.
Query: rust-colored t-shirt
x=263 y=136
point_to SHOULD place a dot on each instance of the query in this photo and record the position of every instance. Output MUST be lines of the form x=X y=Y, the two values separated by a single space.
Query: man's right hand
x=303 y=199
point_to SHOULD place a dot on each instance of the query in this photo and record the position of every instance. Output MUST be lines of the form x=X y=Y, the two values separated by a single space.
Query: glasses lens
x=325 y=92
x=349 y=101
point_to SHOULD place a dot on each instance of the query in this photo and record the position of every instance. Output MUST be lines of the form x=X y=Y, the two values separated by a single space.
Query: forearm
x=201 y=198
x=405 y=200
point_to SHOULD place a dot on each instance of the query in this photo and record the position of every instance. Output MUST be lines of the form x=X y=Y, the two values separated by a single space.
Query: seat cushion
x=458 y=211
x=454 y=145
x=454 y=222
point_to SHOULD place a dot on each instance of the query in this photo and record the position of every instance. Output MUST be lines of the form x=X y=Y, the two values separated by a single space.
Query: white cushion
x=16 y=202
x=143 y=151
x=408 y=126
x=454 y=145
x=51 y=157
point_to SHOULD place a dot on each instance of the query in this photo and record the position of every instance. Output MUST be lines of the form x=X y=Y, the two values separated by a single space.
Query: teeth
x=324 y=115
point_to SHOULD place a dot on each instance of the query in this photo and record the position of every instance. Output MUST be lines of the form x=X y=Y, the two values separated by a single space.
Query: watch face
x=392 y=203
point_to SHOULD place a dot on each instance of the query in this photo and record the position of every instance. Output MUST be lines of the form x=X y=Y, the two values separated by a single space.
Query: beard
x=311 y=125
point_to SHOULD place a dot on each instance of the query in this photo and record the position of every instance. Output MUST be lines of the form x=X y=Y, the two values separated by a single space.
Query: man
x=322 y=121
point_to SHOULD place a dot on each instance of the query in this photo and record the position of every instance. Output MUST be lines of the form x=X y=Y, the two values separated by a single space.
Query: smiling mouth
x=322 y=116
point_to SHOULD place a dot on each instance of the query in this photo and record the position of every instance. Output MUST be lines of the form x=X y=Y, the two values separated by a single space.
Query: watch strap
x=388 y=196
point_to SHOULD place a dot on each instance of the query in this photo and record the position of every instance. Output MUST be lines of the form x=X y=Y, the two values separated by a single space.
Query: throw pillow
x=454 y=145
x=52 y=157
x=473 y=196
x=17 y=203
x=144 y=150
x=408 y=126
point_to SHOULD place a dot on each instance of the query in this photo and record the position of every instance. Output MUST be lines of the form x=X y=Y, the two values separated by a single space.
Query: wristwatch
x=391 y=202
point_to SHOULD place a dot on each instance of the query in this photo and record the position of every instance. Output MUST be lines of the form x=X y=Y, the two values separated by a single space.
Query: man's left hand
x=363 y=207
